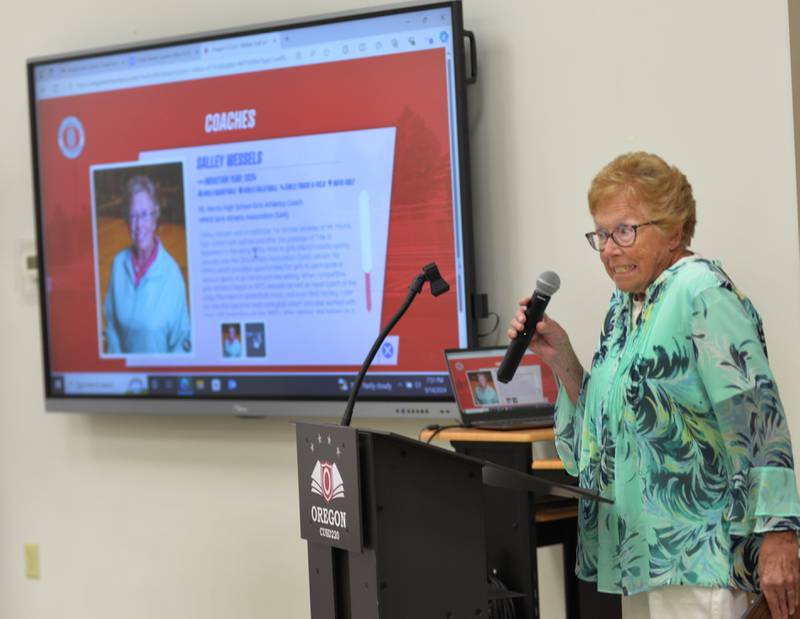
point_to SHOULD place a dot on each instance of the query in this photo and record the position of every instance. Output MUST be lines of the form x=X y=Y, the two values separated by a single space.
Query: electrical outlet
x=32 y=566
x=28 y=267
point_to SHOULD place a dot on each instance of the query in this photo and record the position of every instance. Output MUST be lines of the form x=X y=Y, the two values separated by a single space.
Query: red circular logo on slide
x=71 y=137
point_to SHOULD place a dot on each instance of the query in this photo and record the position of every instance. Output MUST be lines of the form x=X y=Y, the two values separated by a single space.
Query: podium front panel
x=422 y=526
x=330 y=485
x=429 y=531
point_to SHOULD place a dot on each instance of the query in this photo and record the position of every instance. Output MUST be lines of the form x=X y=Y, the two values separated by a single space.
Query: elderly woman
x=232 y=343
x=145 y=307
x=677 y=419
x=484 y=392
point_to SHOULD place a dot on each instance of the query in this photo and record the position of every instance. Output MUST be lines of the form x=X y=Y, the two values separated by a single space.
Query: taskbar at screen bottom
x=382 y=386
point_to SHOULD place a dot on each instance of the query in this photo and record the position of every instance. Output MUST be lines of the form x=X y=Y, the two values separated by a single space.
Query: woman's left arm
x=732 y=361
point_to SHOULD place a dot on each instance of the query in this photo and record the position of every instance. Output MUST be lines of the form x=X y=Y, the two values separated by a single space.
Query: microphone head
x=548 y=283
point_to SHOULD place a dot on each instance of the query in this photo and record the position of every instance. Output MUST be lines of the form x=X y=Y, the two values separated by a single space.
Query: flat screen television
x=225 y=220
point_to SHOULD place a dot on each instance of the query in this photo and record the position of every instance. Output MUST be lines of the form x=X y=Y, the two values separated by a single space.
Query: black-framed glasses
x=143 y=216
x=624 y=235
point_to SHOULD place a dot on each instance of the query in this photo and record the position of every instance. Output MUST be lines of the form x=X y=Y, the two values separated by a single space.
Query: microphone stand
x=438 y=285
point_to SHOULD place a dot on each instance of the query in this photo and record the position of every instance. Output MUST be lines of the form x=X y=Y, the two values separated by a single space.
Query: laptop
x=527 y=401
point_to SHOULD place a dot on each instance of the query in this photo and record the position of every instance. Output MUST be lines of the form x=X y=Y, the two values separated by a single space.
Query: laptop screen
x=480 y=396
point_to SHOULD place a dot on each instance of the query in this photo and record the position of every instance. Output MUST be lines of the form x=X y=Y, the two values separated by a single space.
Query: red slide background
x=407 y=91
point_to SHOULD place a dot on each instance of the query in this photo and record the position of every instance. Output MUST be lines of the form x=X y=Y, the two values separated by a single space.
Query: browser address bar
x=129 y=78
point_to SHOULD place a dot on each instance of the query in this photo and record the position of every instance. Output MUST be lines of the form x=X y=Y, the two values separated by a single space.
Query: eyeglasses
x=143 y=216
x=624 y=235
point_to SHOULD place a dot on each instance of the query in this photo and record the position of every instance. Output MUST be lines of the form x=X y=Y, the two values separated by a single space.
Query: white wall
x=196 y=518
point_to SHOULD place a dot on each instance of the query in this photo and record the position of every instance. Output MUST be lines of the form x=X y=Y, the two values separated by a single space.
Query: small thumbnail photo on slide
x=231 y=333
x=254 y=339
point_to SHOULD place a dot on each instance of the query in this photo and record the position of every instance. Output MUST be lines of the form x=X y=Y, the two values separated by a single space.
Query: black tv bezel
x=291 y=406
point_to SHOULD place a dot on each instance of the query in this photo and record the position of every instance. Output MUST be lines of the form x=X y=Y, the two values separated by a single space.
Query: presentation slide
x=287 y=232
x=274 y=219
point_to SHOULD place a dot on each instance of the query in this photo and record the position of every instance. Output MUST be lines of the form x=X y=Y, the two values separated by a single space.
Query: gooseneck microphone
x=547 y=285
x=430 y=273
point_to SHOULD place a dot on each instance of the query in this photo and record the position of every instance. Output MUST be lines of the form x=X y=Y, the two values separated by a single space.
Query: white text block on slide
x=289 y=236
x=526 y=388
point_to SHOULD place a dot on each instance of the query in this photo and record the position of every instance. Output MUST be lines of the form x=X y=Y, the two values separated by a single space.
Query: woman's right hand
x=550 y=341
x=552 y=344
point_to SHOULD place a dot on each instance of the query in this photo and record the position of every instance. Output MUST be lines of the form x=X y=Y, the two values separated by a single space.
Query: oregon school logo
x=326 y=481
x=71 y=137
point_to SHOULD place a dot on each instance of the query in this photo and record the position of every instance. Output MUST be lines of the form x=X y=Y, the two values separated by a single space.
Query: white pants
x=685 y=603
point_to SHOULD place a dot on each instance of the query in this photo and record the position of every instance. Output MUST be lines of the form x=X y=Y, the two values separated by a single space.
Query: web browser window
x=239 y=214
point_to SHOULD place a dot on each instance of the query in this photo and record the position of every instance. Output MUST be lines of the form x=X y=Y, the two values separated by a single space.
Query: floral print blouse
x=679 y=422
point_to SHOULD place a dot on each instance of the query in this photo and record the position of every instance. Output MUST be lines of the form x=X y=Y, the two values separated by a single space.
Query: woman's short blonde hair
x=662 y=190
x=141 y=184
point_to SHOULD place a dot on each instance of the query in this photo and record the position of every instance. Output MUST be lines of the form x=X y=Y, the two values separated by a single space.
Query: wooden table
x=530 y=435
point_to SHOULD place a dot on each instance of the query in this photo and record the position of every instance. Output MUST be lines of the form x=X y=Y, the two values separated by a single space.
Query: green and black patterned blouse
x=679 y=422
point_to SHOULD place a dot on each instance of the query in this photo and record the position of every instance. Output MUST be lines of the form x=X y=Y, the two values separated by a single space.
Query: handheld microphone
x=547 y=285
